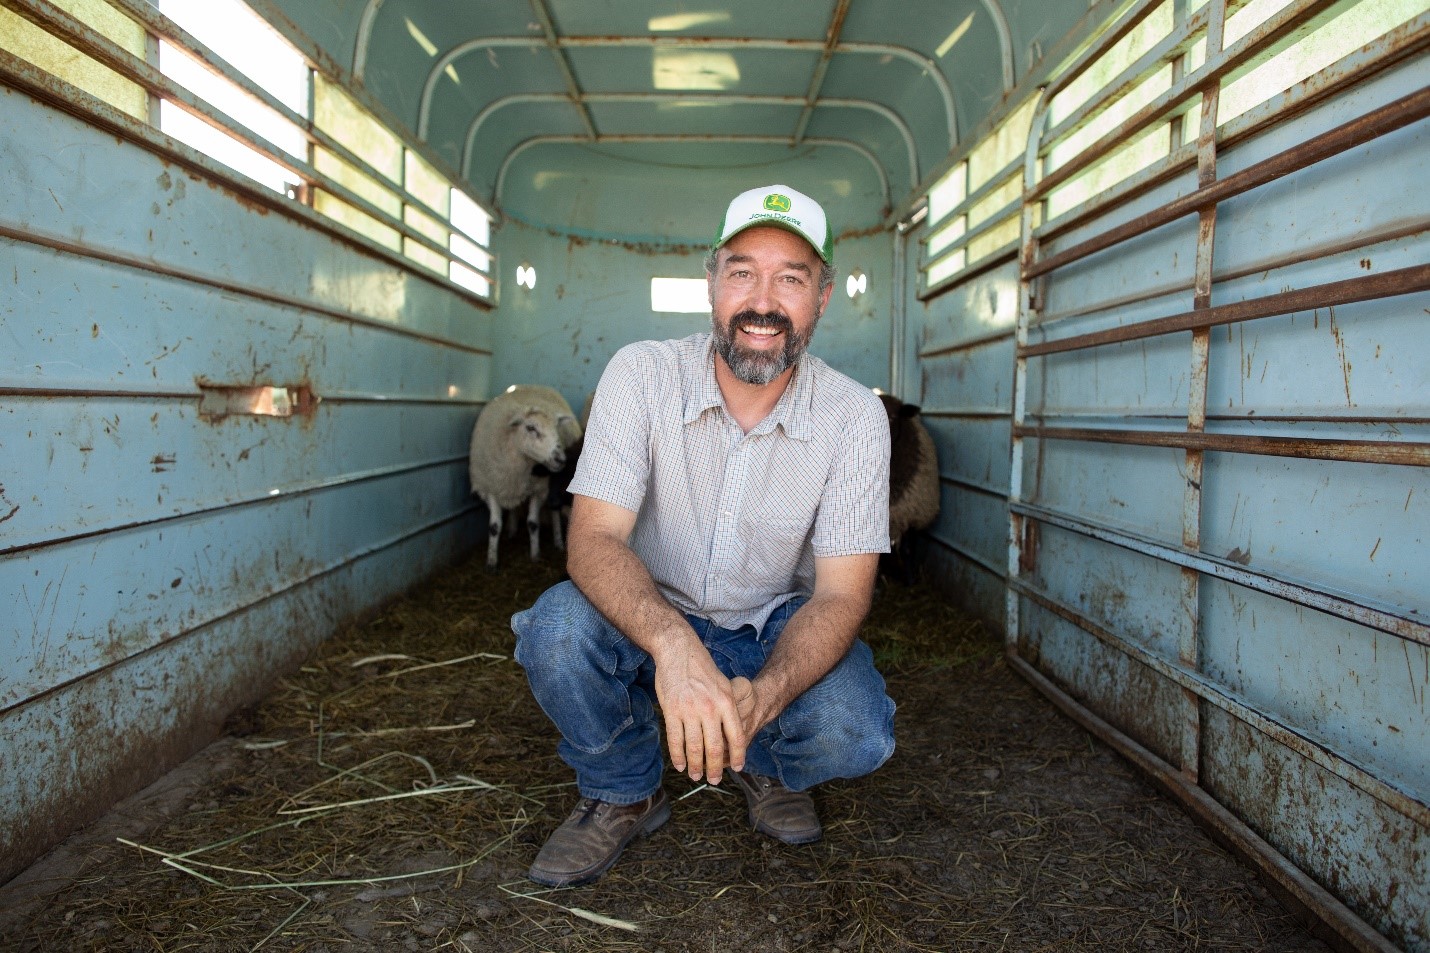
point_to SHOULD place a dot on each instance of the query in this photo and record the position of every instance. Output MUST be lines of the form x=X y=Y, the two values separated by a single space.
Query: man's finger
x=675 y=741
x=695 y=750
x=714 y=753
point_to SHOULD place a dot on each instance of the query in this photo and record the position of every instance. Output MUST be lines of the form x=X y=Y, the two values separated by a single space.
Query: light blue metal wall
x=159 y=568
x=960 y=349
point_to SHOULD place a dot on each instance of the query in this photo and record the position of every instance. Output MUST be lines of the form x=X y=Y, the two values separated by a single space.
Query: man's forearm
x=618 y=584
x=814 y=640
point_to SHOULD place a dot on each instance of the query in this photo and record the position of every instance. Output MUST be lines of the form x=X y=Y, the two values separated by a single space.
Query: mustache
x=770 y=319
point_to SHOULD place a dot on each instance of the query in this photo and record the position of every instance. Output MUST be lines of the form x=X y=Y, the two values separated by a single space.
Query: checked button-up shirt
x=729 y=523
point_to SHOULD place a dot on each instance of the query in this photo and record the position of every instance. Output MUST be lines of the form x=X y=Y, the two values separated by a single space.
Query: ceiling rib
x=573 y=88
x=1005 y=41
x=831 y=40
x=469 y=148
x=364 y=37
x=754 y=140
x=925 y=65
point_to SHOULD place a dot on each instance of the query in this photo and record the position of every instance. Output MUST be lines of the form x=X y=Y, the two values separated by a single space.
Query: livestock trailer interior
x=1154 y=270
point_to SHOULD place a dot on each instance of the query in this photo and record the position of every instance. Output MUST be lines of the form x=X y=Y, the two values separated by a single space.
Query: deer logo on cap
x=776 y=202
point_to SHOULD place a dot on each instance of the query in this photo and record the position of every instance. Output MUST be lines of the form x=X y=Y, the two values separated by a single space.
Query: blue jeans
x=598 y=687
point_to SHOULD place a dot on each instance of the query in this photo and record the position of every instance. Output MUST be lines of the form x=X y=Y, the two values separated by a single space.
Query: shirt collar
x=792 y=412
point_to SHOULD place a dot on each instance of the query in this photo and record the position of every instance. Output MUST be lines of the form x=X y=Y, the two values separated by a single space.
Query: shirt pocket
x=773 y=547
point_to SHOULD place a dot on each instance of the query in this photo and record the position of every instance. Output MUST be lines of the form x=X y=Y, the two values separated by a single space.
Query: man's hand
x=704 y=727
x=748 y=706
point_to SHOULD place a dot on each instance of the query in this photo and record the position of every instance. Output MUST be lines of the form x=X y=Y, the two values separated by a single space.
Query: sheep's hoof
x=491 y=567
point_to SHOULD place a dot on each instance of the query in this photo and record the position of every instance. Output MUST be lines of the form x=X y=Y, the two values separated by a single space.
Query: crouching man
x=731 y=503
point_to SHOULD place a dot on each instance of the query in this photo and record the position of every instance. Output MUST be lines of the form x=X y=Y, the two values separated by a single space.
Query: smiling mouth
x=761 y=330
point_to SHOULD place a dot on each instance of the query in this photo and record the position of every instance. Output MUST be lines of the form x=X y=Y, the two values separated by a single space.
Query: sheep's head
x=536 y=436
x=898 y=412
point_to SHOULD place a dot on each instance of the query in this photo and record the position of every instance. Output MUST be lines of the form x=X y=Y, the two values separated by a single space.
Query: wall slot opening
x=266 y=400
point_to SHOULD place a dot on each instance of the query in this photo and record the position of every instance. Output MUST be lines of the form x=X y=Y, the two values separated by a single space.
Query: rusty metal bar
x=553 y=43
x=969 y=344
x=1393 y=620
x=1302 y=253
x=88 y=250
x=1285 y=22
x=831 y=41
x=1378 y=122
x=1395 y=453
x=1170 y=49
x=1189 y=637
x=268 y=496
x=968 y=413
x=1400 y=281
x=1349 y=929
x=1405 y=40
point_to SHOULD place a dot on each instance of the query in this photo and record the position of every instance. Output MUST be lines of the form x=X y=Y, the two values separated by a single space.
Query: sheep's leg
x=556 y=537
x=512 y=523
x=494 y=515
x=533 y=523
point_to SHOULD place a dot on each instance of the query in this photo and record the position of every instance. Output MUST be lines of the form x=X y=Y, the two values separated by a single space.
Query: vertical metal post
x=1027 y=304
x=151 y=56
x=1188 y=650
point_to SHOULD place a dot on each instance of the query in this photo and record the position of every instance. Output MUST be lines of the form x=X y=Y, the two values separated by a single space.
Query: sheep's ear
x=909 y=410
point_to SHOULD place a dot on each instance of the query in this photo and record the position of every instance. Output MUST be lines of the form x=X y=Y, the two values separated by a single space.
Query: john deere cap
x=782 y=207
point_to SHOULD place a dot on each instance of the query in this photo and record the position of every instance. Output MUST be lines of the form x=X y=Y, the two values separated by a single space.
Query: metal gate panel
x=1331 y=370
x=1140 y=274
x=1228 y=381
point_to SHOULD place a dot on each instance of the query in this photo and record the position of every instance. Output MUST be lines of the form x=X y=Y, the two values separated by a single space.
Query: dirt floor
x=391 y=793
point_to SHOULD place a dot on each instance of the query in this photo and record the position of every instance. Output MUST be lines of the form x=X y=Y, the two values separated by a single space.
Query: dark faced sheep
x=526 y=427
x=913 y=480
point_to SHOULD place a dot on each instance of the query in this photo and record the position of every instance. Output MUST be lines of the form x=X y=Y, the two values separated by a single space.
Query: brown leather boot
x=777 y=811
x=588 y=842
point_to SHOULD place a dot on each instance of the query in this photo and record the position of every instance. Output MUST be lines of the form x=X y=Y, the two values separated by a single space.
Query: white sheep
x=525 y=428
x=913 y=479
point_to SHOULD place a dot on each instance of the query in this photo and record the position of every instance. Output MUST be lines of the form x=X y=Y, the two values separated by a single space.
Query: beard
x=759 y=367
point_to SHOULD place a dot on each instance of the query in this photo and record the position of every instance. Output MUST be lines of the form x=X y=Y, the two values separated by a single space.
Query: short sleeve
x=615 y=457
x=854 y=509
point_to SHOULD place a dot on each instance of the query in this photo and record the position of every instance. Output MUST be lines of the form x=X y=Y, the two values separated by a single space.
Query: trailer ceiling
x=856 y=100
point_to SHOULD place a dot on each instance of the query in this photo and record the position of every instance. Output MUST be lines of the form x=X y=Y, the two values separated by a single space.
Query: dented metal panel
x=163 y=558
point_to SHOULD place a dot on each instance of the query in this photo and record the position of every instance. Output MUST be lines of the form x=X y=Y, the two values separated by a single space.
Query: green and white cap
x=782 y=207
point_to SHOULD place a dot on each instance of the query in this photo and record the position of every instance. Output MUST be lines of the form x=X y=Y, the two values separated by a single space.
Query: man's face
x=764 y=302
